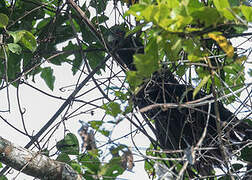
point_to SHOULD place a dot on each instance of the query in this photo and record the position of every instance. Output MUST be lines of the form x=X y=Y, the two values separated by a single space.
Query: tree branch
x=35 y=164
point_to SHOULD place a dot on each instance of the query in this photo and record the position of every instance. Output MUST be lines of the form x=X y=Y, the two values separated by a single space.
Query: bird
x=125 y=47
x=182 y=127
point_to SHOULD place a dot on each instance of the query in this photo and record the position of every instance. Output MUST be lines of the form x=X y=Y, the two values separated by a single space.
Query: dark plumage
x=180 y=128
x=124 y=47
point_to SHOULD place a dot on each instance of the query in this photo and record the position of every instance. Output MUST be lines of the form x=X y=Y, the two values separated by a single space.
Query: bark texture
x=35 y=164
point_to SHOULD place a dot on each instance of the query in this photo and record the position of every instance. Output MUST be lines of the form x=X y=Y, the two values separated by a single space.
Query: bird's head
x=116 y=35
x=125 y=47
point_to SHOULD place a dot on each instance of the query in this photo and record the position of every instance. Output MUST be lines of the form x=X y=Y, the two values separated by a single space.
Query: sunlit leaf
x=147 y=63
x=75 y=166
x=220 y=4
x=241 y=59
x=113 y=168
x=223 y=43
x=247 y=12
x=15 y=48
x=208 y=16
x=17 y=35
x=3 y=20
x=29 y=41
x=26 y=38
x=201 y=84
x=134 y=79
x=104 y=132
x=136 y=11
x=112 y=108
x=223 y=7
x=95 y=124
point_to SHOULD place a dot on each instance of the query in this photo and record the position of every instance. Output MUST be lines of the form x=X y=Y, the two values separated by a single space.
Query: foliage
x=172 y=31
x=183 y=26
x=89 y=162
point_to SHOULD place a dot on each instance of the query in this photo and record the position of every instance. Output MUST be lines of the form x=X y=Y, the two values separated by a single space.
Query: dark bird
x=182 y=127
x=124 y=47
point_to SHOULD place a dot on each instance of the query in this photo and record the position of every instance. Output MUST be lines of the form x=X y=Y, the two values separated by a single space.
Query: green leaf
x=29 y=41
x=43 y=23
x=104 y=132
x=135 y=30
x=15 y=48
x=136 y=11
x=240 y=28
x=246 y=154
x=1 y=165
x=113 y=168
x=3 y=20
x=201 y=84
x=247 y=12
x=75 y=166
x=99 y=19
x=134 y=79
x=49 y=78
x=234 y=2
x=95 y=124
x=221 y=4
x=121 y=95
x=148 y=166
x=147 y=63
x=17 y=35
x=3 y=178
x=26 y=38
x=224 y=8
x=13 y=66
x=95 y=57
x=98 y=5
x=237 y=166
x=112 y=108
x=77 y=60
x=192 y=6
x=69 y=145
x=91 y=162
x=208 y=16
x=63 y=157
